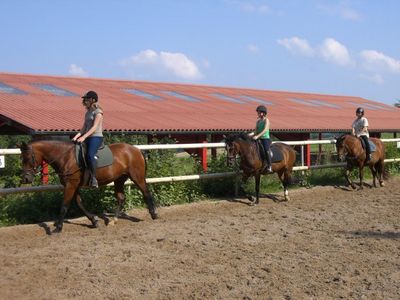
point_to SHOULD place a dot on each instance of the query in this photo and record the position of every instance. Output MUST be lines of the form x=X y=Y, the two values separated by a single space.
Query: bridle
x=37 y=168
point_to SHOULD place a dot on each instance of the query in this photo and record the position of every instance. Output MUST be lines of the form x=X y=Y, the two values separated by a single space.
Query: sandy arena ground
x=326 y=243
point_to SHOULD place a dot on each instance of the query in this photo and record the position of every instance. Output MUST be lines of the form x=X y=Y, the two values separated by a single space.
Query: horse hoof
x=95 y=223
x=253 y=204
x=287 y=198
x=56 y=230
x=250 y=198
x=154 y=216
x=382 y=184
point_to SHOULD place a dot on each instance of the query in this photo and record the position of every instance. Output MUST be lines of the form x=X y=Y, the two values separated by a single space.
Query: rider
x=262 y=133
x=91 y=132
x=360 y=129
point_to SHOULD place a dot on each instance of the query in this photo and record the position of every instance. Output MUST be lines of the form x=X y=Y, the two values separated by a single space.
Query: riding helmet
x=261 y=108
x=91 y=95
x=360 y=110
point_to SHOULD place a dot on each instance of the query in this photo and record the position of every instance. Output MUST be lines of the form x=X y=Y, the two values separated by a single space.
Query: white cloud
x=297 y=46
x=377 y=78
x=249 y=7
x=342 y=10
x=75 y=70
x=177 y=64
x=253 y=48
x=377 y=61
x=334 y=52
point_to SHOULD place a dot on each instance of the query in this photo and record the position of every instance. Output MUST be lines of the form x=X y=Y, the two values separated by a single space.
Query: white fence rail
x=42 y=188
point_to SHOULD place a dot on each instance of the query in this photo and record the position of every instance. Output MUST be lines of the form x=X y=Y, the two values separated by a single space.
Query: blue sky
x=332 y=47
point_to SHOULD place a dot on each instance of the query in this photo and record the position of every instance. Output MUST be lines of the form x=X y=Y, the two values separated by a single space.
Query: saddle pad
x=276 y=154
x=105 y=156
x=372 y=146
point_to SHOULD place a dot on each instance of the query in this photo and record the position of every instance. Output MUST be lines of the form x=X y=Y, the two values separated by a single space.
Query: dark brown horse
x=128 y=163
x=251 y=163
x=349 y=149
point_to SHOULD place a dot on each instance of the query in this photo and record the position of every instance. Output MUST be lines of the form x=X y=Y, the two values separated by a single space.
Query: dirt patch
x=327 y=242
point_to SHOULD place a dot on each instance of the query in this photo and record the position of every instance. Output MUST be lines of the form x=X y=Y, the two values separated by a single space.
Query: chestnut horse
x=251 y=163
x=128 y=163
x=349 y=149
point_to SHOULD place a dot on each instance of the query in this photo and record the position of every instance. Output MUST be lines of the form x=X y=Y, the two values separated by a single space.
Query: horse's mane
x=57 y=143
x=238 y=136
x=340 y=139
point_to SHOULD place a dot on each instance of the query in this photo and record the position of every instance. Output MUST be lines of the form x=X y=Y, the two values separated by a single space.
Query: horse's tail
x=145 y=156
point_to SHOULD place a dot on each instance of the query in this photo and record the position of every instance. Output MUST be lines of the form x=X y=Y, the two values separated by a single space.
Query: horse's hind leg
x=287 y=174
x=89 y=215
x=380 y=167
x=148 y=198
x=374 y=173
x=284 y=177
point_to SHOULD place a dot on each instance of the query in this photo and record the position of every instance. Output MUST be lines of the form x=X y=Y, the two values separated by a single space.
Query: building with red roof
x=51 y=105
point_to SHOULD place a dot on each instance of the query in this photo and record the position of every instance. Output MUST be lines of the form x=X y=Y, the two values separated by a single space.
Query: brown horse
x=251 y=163
x=349 y=149
x=128 y=163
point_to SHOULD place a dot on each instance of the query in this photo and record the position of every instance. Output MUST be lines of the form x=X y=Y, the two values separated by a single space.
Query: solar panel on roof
x=314 y=102
x=373 y=106
x=5 y=88
x=227 y=98
x=55 y=90
x=143 y=94
x=181 y=96
x=250 y=98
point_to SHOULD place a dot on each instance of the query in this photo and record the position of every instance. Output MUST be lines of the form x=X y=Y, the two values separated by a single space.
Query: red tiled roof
x=40 y=111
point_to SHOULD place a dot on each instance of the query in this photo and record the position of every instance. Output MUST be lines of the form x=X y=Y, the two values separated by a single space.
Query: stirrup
x=93 y=182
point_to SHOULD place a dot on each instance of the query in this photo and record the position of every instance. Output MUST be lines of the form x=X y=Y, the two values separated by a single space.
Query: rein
x=36 y=169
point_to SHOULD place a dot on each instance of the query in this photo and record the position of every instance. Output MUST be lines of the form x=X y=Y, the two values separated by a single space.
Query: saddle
x=372 y=146
x=275 y=152
x=104 y=156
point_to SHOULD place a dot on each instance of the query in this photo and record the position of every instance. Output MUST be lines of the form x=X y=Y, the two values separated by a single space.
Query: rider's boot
x=93 y=181
x=267 y=164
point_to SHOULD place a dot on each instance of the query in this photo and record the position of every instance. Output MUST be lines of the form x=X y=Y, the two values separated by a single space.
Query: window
x=314 y=102
x=249 y=98
x=143 y=94
x=182 y=96
x=5 y=88
x=227 y=98
x=52 y=89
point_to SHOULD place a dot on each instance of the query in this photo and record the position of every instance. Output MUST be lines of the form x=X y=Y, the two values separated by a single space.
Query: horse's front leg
x=70 y=192
x=89 y=215
x=360 y=170
x=242 y=190
x=347 y=177
x=257 y=178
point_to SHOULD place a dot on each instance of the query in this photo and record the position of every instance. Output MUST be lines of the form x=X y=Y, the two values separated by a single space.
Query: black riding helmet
x=261 y=108
x=360 y=110
x=91 y=95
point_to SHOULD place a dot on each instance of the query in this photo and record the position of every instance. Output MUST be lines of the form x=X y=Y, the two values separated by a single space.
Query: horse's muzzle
x=26 y=178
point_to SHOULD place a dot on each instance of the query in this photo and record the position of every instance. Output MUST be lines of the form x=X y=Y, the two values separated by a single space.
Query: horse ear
x=22 y=146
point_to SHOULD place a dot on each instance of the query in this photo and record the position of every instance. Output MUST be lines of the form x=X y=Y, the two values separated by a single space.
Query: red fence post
x=204 y=158
x=45 y=173
x=308 y=155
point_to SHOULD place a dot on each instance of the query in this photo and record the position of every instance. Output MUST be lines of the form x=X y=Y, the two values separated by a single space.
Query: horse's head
x=29 y=163
x=341 y=148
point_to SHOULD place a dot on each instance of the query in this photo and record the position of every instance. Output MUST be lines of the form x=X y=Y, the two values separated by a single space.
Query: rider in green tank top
x=262 y=133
